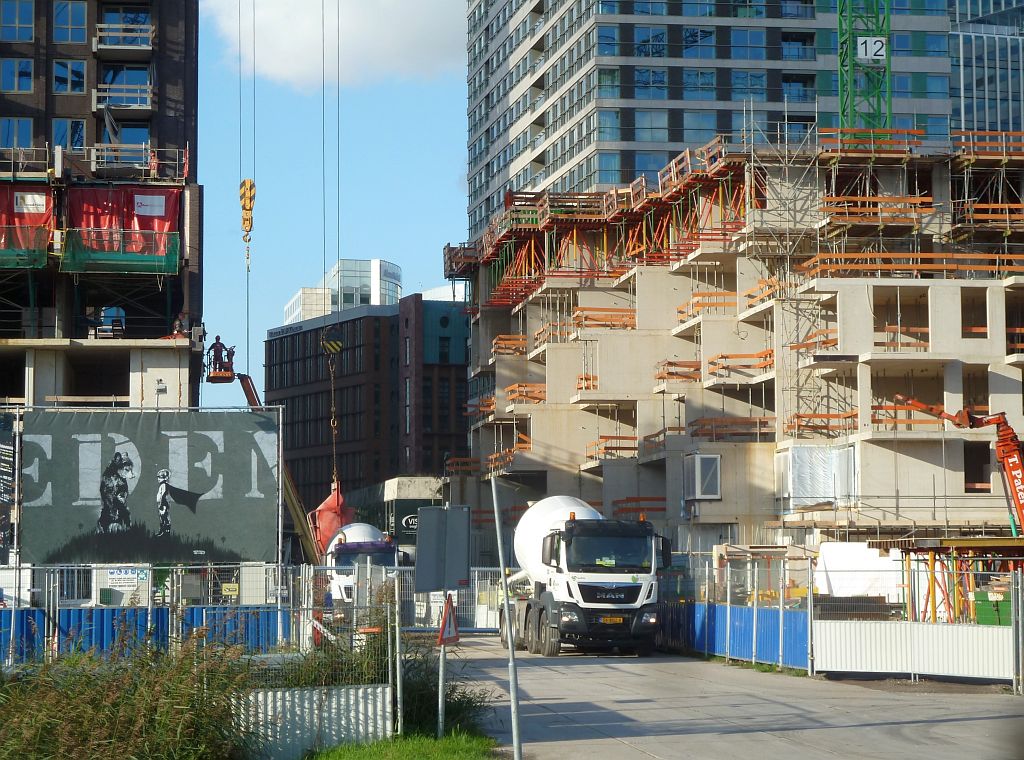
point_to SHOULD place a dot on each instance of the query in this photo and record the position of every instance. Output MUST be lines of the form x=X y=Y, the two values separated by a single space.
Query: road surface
x=675 y=708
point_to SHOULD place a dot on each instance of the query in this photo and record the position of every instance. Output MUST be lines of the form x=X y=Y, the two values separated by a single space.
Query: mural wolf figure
x=114 y=515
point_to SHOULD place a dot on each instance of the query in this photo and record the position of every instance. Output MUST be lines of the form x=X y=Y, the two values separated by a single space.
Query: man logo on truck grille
x=612 y=595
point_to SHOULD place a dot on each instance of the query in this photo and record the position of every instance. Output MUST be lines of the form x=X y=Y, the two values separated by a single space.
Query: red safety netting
x=24 y=211
x=125 y=219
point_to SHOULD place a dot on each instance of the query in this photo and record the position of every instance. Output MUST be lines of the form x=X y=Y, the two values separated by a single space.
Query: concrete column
x=953 y=388
x=863 y=397
x=855 y=318
x=945 y=319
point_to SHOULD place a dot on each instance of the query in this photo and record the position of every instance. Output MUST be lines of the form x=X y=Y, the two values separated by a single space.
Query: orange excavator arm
x=289 y=492
x=1008 y=450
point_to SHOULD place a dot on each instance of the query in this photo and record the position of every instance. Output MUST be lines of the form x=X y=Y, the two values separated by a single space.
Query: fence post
x=753 y=645
x=783 y=567
x=1015 y=622
x=728 y=610
x=398 y=654
x=810 y=616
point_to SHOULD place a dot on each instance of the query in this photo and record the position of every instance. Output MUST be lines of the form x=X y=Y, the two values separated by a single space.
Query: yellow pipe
x=931 y=587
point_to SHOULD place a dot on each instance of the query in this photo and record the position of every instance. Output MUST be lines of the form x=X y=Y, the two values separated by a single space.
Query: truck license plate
x=607 y=619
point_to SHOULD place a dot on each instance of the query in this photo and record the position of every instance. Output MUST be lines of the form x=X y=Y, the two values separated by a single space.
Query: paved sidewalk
x=623 y=708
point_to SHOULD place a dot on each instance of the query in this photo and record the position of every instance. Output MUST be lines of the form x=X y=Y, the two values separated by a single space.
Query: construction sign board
x=449 y=632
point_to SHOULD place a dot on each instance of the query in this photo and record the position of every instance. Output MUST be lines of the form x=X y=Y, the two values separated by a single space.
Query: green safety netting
x=23 y=247
x=121 y=252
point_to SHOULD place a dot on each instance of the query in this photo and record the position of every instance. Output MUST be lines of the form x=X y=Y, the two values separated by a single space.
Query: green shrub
x=142 y=704
x=466 y=705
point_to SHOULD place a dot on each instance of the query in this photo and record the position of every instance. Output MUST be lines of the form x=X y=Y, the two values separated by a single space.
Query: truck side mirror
x=547 y=549
x=666 y=552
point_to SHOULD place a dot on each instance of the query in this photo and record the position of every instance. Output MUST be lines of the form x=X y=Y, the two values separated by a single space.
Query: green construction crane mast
x=865 y=91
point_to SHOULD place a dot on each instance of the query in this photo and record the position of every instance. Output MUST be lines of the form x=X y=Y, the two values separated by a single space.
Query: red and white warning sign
x=449 y=633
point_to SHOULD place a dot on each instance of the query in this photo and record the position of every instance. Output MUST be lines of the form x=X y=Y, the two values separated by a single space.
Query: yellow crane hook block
x=247 y=197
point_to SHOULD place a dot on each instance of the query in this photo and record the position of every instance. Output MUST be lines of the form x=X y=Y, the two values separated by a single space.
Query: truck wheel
x=502 y=632
x=550 y=646
x=532 y=642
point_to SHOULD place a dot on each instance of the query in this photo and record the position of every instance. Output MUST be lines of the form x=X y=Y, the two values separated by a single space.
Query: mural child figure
x=114 y=513
x=163 y=507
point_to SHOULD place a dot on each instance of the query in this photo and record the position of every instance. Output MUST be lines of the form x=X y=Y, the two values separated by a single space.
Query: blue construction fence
x=107 y=629
x=730 y=631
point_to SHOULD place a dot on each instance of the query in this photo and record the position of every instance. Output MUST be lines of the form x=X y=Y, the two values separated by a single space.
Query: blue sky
x=402 y=152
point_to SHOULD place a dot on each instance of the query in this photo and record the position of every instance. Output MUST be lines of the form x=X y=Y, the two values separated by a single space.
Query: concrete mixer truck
x=354 y=544
x=593 y=581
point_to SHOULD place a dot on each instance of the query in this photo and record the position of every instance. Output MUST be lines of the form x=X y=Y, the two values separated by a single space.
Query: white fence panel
x=857 y=646
x=291 y=722
x=963 y=651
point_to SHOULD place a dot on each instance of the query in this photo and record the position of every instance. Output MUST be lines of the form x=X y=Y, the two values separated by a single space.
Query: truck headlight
x=649 y=618
x=568 y=616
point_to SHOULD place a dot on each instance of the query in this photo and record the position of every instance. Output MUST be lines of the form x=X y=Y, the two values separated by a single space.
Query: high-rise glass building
x=577 y=95
x=349 y=283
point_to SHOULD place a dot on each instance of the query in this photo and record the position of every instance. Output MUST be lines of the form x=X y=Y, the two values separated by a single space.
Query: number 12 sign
x=872 y=49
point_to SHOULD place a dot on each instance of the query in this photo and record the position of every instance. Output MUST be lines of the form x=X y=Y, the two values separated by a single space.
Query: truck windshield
x=386 y=558
x=609 y=554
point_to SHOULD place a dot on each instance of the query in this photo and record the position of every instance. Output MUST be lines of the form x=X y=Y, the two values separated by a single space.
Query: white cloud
x=380 y=39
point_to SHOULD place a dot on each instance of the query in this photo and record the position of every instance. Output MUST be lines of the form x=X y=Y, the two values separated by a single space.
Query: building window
x=17 y=19
x=69 y=21
x=749 y=85
x=69 y=133
x=16 y=75
x=69 y=77
x=124 y=18
x=750 y=126
x=444 y=350
x=650 y=41
x=607 y=40
x=936 y=45
x=902 y=85
x=609 y=168
x=649 y=163
x=936 y=86
x=699 y=126
x=902 y=44
x=748 y=8
x=698 y=84
x=699 y=8
x=608 y=83
x=15 y=132
x=608 y=125
x=698 y=42
x=651 y=126
x=128 y=133
x=650 y=84
x=936 y=127
x=641 y=8
x=748 y=44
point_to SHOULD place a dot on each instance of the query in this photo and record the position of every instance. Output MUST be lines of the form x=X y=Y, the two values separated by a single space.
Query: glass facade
x=568 y=96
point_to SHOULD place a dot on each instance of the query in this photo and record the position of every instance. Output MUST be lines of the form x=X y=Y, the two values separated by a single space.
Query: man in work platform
x=216 y=352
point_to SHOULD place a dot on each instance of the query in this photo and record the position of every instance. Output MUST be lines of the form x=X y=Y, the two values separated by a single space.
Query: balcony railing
x=132 y=97
x=526 y=393
x=612 y=447
x=730 y=428
x=551 y=332
x=716 y=301
x=607 y=317
x=822 y=423
x=508 y=345
x=680 y=371
x=139 y=36
x=32 y=162
x=121 y=251
x=139 y=162
x=23 y=247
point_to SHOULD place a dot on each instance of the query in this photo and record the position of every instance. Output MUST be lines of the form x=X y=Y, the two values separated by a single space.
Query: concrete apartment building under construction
x=100 y=212
x=722 y=349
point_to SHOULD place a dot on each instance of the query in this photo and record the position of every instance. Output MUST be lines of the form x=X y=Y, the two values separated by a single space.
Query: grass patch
x=138 y=544
x=760 y=667
x=453 y=747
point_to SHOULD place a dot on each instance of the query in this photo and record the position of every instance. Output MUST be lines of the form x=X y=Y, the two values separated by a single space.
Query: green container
x=991 y=611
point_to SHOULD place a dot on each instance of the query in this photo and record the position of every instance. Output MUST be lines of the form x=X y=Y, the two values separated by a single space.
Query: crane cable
x=331 y=345
x=247 y=186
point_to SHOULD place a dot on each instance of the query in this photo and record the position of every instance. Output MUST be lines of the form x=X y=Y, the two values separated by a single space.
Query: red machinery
x=1008 y=450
